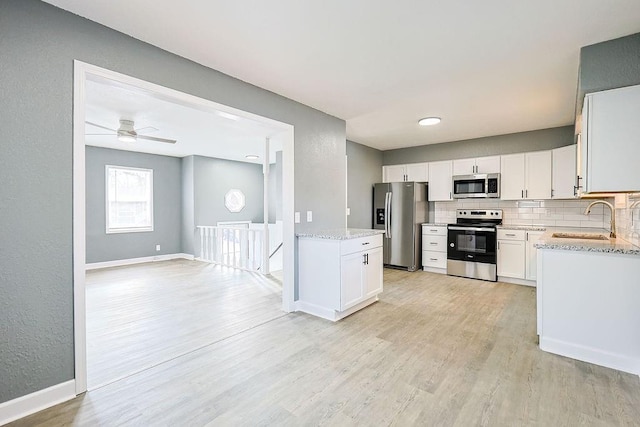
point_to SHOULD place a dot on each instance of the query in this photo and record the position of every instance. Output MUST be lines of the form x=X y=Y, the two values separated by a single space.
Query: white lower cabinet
x=511 y=253
x=517 y=255
x=434 y=248
x=532 y=254
x=339 y=277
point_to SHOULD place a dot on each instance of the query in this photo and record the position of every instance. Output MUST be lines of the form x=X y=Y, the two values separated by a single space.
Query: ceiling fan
x=127 y=133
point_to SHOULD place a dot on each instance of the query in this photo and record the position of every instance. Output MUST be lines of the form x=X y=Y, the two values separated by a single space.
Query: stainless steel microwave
x=486 y=185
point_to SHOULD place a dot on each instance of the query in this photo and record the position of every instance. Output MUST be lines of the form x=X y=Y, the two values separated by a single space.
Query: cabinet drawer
x=434 y=243
x=360 y=244
x=434 y=259
x=511 y=234
x=436 y=230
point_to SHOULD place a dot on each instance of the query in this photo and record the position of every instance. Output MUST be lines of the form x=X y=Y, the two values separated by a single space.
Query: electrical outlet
x=309 y=216
x=157 y=247
x=348 y=211
x=296 y=217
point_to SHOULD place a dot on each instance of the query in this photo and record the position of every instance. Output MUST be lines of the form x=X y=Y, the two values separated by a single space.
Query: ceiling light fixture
x=252 y=157
x=429 y=121
x=126 y=138
x=228 y=115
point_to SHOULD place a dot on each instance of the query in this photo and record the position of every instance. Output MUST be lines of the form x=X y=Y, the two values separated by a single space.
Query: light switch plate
x=296 y=217
x=309 y=216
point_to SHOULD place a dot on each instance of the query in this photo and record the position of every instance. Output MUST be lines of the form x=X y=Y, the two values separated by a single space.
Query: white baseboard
x=515 y=281
x=130 y=261
x=329 y=314
x=34 y=402
x=591 y=355
x=435 y=270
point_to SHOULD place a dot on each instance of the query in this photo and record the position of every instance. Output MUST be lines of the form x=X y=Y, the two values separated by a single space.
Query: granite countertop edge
x=618 y=246
x=339 y=233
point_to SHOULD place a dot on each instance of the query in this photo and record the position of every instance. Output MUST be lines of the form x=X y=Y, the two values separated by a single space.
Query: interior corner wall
x=167 y=190
x=188 y=205
x=537 y=140
x=364 y=169
x=608 y=65
x=275 y=189
x=36 y=170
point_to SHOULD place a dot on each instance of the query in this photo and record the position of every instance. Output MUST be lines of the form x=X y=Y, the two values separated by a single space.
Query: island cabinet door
x=351 y=279
x=373 y=273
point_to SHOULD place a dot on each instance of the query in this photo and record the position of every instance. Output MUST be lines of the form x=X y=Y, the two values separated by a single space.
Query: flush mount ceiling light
x=252 y=157
x=429 y=121
x=126 y=138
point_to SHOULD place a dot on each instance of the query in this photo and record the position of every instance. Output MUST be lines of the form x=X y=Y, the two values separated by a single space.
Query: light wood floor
x=435 y=350
x=142 y=315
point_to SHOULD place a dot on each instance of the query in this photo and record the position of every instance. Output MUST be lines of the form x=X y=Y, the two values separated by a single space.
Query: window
x=129 y=199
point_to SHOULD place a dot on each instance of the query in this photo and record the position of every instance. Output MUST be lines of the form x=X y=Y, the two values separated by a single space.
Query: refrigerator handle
x=386 y=214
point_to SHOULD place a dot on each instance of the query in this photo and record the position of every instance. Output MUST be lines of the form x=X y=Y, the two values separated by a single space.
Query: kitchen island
x=587 y=299
x=339 y=271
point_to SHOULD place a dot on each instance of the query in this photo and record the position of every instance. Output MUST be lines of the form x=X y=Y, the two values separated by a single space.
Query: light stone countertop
x=525 y=227
x=339 y=233
x=617 y=246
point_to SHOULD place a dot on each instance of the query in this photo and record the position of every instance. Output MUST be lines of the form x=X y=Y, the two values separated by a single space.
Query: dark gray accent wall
x=166 y=207
x=38 y=45
x=537 y=140
x=608 y=65
x=364 y=168
x=275 y=189
x=188 y=205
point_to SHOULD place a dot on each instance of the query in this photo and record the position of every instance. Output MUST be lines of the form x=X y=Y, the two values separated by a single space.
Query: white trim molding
x=35 y=402
x=130 y=261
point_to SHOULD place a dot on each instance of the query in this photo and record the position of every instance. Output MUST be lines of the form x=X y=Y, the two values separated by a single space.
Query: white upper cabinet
x=538 y=175
x=418 y=172
x=563 y=172
x=393 y=173
x=610 y=142
x=476 y=165
x=526 y=176
x=440 y=174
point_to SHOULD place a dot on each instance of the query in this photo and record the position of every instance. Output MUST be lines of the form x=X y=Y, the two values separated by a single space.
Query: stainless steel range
x=472 y=248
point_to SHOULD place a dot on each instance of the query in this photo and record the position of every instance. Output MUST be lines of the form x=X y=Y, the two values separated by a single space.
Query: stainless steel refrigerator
x=400 y=208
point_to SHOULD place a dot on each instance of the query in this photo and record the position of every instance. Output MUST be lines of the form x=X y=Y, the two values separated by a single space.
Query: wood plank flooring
x=435 y=350
x=141 y=315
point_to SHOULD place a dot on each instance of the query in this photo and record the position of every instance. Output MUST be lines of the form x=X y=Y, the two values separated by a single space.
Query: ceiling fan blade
x=100 y=134
x=153 y=138
x=101 y=127
x=147 y=129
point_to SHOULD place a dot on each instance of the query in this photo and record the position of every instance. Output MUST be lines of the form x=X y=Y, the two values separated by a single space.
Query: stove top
x=479 y=217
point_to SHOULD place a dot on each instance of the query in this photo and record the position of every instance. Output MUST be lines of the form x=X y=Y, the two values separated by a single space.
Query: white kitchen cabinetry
x=531 y=254
x=440 y=174
x=526 y=176
x=418 y=172
x=610 y=148
x=511 y=253
x=563 y=172
x=489 y=164
x=339 y=277
x=434 y=248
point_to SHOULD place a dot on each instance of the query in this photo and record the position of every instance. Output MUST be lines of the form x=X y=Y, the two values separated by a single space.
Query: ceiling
x=486 y=67
x=198 y=131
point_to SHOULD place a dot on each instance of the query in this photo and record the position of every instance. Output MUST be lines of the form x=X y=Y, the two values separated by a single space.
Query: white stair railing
x=231 y=246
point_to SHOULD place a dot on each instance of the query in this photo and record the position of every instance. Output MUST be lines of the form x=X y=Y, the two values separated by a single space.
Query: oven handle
x=472 y=229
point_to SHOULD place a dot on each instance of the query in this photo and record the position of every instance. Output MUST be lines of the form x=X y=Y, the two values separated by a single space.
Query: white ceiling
x=198 y=131
x=486 y=67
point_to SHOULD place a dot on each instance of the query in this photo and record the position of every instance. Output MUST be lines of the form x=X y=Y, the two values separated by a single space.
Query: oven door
x=469 y=186
x=472 y=244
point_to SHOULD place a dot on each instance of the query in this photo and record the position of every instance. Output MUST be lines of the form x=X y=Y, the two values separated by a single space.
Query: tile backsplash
x=551 y=213
x=558 y=213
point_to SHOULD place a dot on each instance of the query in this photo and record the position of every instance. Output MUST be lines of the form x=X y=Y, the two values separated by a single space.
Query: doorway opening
x=86 y=73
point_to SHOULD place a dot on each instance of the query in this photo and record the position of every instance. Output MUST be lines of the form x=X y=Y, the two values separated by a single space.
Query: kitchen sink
x=584 y=236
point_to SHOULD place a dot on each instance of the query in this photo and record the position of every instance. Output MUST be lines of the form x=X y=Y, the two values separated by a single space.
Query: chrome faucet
x=612 y=234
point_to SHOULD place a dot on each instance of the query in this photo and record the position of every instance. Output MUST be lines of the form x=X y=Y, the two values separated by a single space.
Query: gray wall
x=544 y=139
x=36 y=88
x=608 y=65
x=275 y=189
x=166 y=207
x=364 y=168
x=188 y=205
